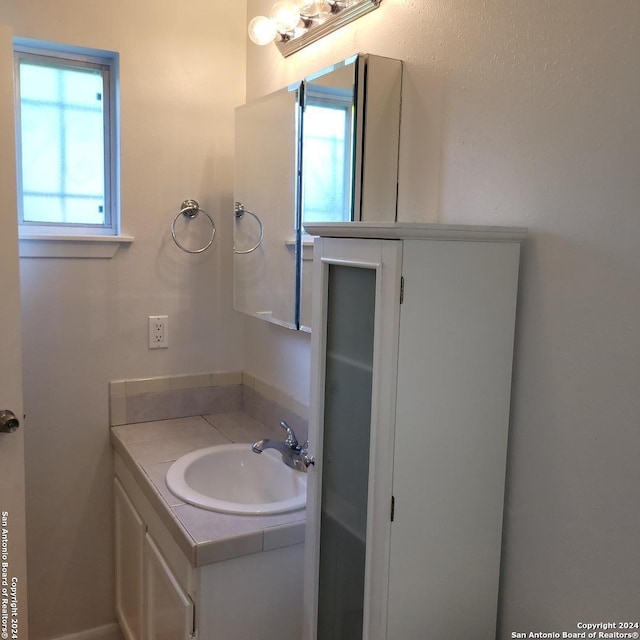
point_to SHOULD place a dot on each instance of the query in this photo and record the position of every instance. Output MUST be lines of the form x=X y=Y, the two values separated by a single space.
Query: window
x=66 y=141
x=327 y=156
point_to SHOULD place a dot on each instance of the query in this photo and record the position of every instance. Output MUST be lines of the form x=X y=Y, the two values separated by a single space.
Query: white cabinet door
x=129 y=542
x=356 y=316
x=168 y=609
x=454 y=378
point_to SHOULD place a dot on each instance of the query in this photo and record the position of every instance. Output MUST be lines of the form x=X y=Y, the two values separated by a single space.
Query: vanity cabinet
x=168 y=609
x=129 y=543
x=412 y=350
x=161 y=594
x=150 y=603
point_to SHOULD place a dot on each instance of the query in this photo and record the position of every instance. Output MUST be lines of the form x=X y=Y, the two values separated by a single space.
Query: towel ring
x=190 y=209
x=239 y=211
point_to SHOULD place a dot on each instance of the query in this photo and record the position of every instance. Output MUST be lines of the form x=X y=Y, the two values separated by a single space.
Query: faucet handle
x=291 y=440
x=304 y=454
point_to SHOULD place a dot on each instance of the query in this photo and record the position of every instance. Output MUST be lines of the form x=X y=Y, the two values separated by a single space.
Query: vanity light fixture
x=293 y=24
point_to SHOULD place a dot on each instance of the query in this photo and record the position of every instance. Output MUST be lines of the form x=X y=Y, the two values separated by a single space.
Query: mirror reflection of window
x=327 y=155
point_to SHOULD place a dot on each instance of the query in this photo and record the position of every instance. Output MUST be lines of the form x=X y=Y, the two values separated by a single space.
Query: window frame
x=79 y=58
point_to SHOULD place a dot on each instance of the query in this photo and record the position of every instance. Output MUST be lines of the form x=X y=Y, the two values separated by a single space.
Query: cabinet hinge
x=194 y=632
x=302 y=97
x=401 y=289
x=393 y=507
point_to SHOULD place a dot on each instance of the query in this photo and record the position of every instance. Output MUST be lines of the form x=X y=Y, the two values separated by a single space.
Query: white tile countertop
x=146 y=450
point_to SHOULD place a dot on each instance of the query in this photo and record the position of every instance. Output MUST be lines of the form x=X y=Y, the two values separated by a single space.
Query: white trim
x=57 y=50
x=417 y=230
x=71 y=246
x=106 y=632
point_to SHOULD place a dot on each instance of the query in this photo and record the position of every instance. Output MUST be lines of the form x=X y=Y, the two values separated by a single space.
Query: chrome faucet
x=293 y=455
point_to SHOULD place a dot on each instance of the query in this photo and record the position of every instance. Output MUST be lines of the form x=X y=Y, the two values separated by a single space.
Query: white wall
x=526 y=113
x=182 y=73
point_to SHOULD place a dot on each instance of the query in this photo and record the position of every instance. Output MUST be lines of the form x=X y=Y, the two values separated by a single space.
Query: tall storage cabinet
x=412 y=352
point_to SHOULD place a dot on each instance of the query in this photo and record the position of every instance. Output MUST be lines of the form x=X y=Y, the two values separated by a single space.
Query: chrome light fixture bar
x=295 y=24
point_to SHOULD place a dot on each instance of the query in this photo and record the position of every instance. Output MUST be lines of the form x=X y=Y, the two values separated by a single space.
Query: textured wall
x=525 y=113
x=85 y=321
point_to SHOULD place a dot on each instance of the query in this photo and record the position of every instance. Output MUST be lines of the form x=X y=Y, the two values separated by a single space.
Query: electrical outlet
x=158 y=332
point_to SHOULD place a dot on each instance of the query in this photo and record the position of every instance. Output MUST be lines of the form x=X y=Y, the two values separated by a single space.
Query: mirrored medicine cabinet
x=324 y=149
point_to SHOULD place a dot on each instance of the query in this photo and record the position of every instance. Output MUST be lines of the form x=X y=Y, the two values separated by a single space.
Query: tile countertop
x=148 y=449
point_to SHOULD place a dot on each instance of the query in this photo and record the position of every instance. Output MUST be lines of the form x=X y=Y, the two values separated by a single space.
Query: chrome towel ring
x=239 y=211
x=190 y=209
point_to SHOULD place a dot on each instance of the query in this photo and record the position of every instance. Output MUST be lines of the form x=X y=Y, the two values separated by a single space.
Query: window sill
x=66 y=246
x=307 y=247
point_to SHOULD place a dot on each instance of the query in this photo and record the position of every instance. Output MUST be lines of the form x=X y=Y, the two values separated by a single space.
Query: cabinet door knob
x=8 y=421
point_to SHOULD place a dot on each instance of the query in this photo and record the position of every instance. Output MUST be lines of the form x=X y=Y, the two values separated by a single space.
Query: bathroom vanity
x=184 y=572
x=412 y=350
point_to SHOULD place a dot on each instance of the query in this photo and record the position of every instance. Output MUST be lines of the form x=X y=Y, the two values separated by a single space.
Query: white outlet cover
x=158 y=331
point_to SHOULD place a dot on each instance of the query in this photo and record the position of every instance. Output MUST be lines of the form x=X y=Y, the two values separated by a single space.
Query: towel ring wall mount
x=239 y=211
x=190 y=209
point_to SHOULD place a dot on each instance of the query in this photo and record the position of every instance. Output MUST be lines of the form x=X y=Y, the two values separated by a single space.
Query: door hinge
x=393 y=507
x=401 y=289
x=194 y=632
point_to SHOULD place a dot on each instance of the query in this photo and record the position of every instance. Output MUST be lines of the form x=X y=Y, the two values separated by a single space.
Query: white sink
x=231 y=478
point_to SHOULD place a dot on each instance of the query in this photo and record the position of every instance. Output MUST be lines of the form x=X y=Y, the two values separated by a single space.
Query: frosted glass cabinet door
x=351 y=432
x=345 y=457
x=169 y=611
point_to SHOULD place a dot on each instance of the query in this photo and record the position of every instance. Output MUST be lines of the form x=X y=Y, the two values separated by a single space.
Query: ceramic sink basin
x=231 y=478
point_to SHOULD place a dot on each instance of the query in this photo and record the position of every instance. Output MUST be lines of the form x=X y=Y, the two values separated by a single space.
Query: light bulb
x=262 y=30
x=286 y=16
x=309 y=8
x=324 y=12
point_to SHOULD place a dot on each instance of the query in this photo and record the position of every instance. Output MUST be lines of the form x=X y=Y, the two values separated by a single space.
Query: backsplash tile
x=117 y=388
x=146 y=385
x=270 y=413
x=180 y=403
x=117 y=410
x=203 y=394
x=267 y=390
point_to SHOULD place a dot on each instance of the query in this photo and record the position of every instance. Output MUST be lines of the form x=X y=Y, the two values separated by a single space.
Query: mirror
x=350 y=146
x=322 y=150
x=266 y=148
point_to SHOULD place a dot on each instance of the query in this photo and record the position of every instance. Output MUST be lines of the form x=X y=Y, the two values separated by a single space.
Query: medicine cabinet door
x=266 y=145
x=350 y=142
x=324 y=149
x=356 y=305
